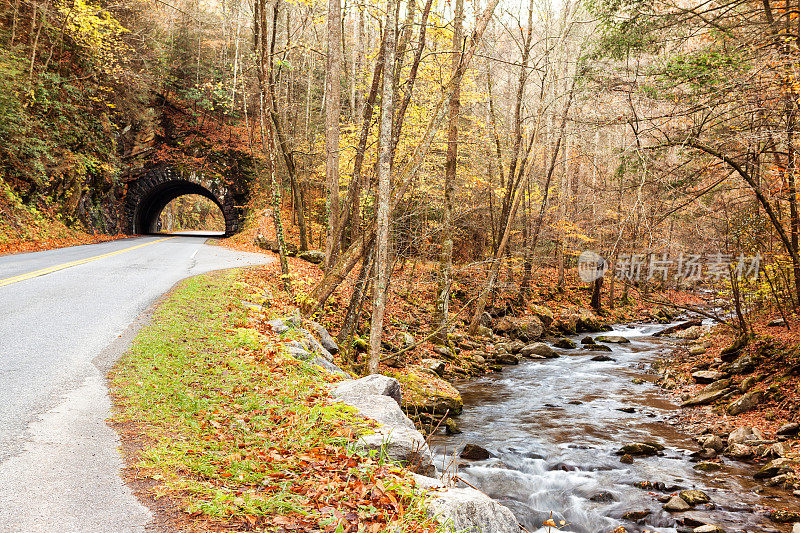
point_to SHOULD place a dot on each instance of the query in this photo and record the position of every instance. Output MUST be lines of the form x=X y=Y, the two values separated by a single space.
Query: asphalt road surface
x=65 y=316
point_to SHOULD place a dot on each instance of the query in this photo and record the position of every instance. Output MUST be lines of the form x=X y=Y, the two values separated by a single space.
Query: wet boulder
x=676 y=504
x=694 y=497
x=474 y=452
x=505 y=358
x=708 y=528
x=588 y=340
x=707 y=466
x=602 y=358
x=597 y=348
x=636 y=515
x=538 y=349
x=613 y=339
x=565 y=343
x=640 y=448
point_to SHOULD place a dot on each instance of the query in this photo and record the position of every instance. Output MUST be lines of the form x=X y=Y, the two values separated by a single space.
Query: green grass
x=234 y=429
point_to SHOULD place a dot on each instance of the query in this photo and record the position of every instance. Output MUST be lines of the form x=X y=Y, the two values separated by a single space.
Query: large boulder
x=470 y=511
x=743 y=364
x=538 y=349
x=707 y=376
x=614 y=339
x=425 y=393
x=544 y=314
x=709 y=394
x=325 y=338
x=743 y=435
x=395 y=436
x=587 y=322
x=670 y=331
x=774 y=468
x=529 y=328
x=374 y=384
x=313 y=256
x=748 y=402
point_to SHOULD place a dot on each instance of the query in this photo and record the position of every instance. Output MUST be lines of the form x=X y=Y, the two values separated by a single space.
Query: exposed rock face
x=748 y=402
x=395 y=436
x=470 y=511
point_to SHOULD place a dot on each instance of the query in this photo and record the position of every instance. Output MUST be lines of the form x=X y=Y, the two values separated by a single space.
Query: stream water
x=554 y=427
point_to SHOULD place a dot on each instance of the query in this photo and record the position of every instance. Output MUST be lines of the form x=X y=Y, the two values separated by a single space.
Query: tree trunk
x=333 y=104
x=450 y=168
x=384 y=193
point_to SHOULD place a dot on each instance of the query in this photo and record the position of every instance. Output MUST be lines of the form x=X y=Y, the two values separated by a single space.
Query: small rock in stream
x=565 y=343
x=784 y=516
x=614 y=339
x=640 y=448
x=597 y=348
x=474 y=452
x=636 y=515
x=707 y=466
x=588 y=340
x=626 y=459
x=603 y=497
x=694 y=497
x=676 y=504
x=708 y=528
x=602 y=358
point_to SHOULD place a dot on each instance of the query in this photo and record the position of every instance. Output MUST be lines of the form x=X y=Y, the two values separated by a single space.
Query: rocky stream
x=554 y=430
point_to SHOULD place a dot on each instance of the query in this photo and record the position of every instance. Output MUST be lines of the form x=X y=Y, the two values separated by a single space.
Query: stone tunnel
x=150 y=193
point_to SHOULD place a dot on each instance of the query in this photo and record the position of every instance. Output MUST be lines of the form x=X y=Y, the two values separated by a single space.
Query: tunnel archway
x=148 y=195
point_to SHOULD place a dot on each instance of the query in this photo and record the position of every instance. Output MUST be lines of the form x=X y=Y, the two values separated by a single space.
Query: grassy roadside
x=231 y=435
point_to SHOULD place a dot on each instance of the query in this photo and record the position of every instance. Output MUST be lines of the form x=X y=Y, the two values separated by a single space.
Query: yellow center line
x=48 y=270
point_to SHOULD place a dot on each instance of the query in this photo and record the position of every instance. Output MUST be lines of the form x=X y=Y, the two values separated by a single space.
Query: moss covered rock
x=425 y=393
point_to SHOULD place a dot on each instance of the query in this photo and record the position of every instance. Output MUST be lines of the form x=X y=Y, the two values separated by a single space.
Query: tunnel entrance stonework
x=150 y=193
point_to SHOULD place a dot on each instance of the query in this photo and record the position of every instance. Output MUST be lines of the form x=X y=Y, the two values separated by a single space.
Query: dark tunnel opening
x=153 y=203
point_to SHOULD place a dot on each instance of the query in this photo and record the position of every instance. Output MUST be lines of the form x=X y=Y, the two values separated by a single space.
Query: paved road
x=65 y=316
